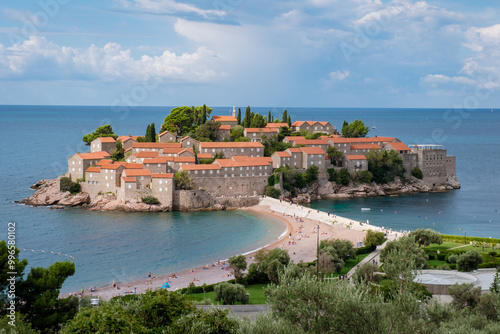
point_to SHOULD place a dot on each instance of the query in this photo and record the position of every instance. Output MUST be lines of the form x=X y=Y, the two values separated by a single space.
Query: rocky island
x=228 y=162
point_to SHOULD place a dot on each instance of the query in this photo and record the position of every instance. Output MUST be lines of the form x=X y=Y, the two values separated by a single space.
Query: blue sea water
x=37 y=140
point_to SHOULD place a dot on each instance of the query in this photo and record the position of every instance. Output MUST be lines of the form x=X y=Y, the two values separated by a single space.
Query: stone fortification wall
x=188 y=200
x=451 y=168
x=410 y=161
x=232 y=186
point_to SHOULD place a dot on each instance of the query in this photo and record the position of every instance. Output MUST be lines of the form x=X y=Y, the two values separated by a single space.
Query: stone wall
x=189 y=200
x=237 y=186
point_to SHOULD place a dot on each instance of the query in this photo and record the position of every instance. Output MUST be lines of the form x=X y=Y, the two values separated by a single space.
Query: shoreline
x=299 y=238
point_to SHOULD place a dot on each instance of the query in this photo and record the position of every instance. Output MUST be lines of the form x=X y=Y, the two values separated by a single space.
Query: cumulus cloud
x=440 y=78
x=172 y=7
x=44 y=60
x=339 y=75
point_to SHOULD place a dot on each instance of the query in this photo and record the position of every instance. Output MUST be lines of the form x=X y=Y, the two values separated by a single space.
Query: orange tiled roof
x=172 y=150
x=283 y=154
x=339 y=140
x=309 y=141
x=276 y=125
x=204 y=156
x=290 y=138
x=162 y=176
x=137 y=172
x=230 y=144
x=185 y=159
x=104 y=162
x=146 y=154
x=294 y=150
x=224 y=119
x=125 y=138
x=94 y=156
x=107 y=139
x=111 y=166
x=371 y=139
x=131 y=165
x=248 y=163
x=156 y=145
x=164 y=132
x=242 y=158
x=356 y=157
x=128 y=179
x=225 y=127
x=365 y=146
x=157 y=160
x=259 y=130
x=199 y=167
x=93 y=170
x=312 y=150
x=187 y=137
x=400 y=146
x=330 y=136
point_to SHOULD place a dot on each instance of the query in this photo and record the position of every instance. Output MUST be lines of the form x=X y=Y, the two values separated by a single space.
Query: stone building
x=355 y=163
x=167 y=137
x=226 y=120
x=276 y=126
x=258 y=134
x=106 y=144
x=436 y=166
x=127 y=141
x=78 y=163
x=224 y=133
x=251 y=149
x=111 y=177
x=357 y=149
x=190 y=143
x=300 y=140
x=162 y=188
x=138 y=147
x=139 y=157
x=314 y=127
x=313 y=156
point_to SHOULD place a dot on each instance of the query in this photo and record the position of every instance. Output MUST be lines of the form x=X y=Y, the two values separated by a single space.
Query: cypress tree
x=269 y=120
x=289 y=121
x=147 y=136
x=248 y=118
x=153 y=133
x=239 y=116
x=285 y=116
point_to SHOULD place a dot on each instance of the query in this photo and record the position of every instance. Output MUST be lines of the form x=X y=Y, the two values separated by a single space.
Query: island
x=229 y=162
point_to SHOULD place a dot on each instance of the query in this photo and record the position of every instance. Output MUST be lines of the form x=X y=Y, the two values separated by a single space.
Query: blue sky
x=309 y=53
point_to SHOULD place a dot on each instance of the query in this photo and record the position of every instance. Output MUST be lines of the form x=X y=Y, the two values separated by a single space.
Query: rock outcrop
x=48 y=193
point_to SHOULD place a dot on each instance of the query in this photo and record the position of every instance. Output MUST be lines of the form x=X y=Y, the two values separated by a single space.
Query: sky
x=308 y=53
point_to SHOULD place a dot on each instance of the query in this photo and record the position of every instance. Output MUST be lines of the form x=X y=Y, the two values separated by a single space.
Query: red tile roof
x=199 y=167
x=107 y=139
x=371 y=139
x=185 y=159
x=365 y=146
x=283 y=154
x=260 y=130
x=146 y=154
x=276 y=125
x=93 y=170
x=128 y=179
x=157 y=160
x=230 y=144
x=172 y=150
x=156 y=145
x=399 y=146
x=162 y=176
x=137 y=172
x=294 y=150
x=242 y=158
x=165 y=132
x=224 y=119
x=225 y=127
x=312 y=150
x=111 y=166
x=232 y=163
x=356 y=157
x=104 y=162
x=94 y=156
x=133 y=166
x=187 y=137
x=125 y=138
x=204 y=156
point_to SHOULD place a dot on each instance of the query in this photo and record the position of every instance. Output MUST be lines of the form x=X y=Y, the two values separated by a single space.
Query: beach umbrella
x=165 y=285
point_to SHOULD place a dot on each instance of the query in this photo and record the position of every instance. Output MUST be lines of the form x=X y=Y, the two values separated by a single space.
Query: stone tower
x=234 y=111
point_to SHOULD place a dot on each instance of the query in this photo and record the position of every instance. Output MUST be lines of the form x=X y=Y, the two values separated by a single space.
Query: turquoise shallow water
x=106 y=246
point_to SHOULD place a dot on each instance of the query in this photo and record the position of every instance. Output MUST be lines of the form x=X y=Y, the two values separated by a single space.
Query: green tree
x=311 y=174
x=373 y=238
x=228 y=293
x=204 y=114
x=465 y=295
x=212 y=321
x=119 y=152
x=284 y=118
x=20 y=326
x=272 y=262
x=180 y=119
x=39 y=296
x=272 y=192
x=356 y=129
x=248 y=118
x=238 y=264
x=343 y=177
x=258 y=121
x=183 y=180
x=9 y=263
x=364 y=273
x=269 y=119
x=239 y=116
x=289 y=121
x=102 y=131
x=343 y=248
x=336 y=156
x=237 y=132
x=426 y=237
x=469 y=261
x=417 y=172
x=495 y=285
x=208 y=131
x=384 y=165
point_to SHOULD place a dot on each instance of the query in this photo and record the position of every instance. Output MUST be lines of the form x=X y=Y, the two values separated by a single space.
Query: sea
x=37 y=141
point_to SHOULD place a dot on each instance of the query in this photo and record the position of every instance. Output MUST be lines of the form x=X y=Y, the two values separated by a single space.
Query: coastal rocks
x=75 y=200
x=47 y=193
x=453 y=182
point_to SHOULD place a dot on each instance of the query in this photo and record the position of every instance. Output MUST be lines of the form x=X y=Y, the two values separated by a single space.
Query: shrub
x=453 y=258
x=469 y=261
x=229 y=293
x=364 y=176
x=441 y=257
x=417 y=172
x=272 y=192
x=373 y=238
x=150 y=200
x=343 y=177
x=66 y=184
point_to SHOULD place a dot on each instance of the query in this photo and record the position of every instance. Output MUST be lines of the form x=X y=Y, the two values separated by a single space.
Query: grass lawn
x=256 y=292
x=435 y=263
x=444 y=245
x=349 y=264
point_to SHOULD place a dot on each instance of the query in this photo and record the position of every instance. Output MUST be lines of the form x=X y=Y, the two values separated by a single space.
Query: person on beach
x=114 y=284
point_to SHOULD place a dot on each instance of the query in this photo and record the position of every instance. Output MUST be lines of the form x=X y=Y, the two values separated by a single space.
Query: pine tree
x=239 y=116
x=153 y=133
x=285 y=116
x=289 y=121
x=204 y=115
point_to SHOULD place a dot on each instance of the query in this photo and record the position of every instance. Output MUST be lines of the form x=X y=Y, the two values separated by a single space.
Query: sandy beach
x=300 y=241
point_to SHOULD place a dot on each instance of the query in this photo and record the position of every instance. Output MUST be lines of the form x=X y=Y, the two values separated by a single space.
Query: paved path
x=250 y=311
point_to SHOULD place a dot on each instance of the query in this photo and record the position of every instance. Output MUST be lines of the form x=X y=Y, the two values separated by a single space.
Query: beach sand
x=300 y=241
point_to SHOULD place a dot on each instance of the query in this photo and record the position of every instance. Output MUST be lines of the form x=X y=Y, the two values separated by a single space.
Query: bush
x=441 y=257
x=150 y=200
x=343 y=177
x=373 y=238
x=469 y=261
x=272 y=192
x=66 y=184
x=364 y=176
x=453 y=258
x=417 y=172
x=365 y=250
x=228 y=293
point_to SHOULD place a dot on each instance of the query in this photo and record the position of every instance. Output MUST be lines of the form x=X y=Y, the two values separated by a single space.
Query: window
x=161 y=189
x=73 y=169
x=211 y=172
x=142 y=178
x=107 y=184
x=73 y=162
x=258 y=150
x=159 y=165
x=130 y=186
x=111 y=178
x=189 y=143
x=106 y=177
x=203 y=172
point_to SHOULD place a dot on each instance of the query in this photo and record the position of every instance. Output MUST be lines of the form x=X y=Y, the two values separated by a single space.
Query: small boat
x=365 y=209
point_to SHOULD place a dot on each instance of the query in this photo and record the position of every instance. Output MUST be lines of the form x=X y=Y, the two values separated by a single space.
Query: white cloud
x=44 y=60
x=479 y=38
x=440 y=78
x=339 y=75
x=172 y=7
